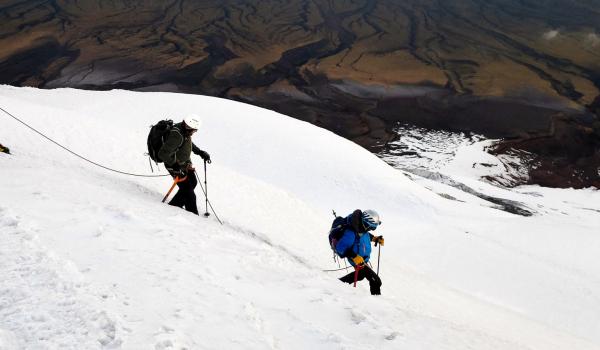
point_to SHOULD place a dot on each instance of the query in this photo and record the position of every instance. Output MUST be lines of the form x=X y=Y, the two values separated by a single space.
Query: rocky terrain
x=525 y=71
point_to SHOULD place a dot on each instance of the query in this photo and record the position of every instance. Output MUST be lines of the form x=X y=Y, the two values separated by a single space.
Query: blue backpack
x=340 y=224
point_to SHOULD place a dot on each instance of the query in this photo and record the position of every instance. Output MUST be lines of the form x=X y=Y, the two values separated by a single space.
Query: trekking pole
x=175 y=182
x=378 y=255
x=209 y=203
x=205 y=193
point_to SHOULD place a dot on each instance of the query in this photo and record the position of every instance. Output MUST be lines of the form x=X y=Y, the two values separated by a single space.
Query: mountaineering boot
x=370 y=275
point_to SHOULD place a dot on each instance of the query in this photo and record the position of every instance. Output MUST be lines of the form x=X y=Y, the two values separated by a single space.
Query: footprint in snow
x=393 y=335
x=108 y=335
x=168 y=338
x=357 y=317
x=119 y=214
x=164 y=344
x=8 y=220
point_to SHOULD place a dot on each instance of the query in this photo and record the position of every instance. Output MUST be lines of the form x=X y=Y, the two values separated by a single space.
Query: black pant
x=185 y=196
x=370 y=275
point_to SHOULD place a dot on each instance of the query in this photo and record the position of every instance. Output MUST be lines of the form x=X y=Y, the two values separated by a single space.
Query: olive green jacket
x=177 y=148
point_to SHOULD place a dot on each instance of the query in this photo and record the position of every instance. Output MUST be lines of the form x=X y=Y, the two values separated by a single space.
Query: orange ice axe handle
x=177 y=180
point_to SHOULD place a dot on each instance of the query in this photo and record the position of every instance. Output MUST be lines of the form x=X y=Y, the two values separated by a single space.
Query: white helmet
x=192 y=121
x=370 y=219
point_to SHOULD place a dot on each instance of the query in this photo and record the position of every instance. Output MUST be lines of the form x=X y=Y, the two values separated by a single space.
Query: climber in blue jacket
x=355 y=245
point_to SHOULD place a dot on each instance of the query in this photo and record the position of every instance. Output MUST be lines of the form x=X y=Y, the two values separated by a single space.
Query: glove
x=189 y=167
x=358 y=260
x=205 y=156
x=378 y=239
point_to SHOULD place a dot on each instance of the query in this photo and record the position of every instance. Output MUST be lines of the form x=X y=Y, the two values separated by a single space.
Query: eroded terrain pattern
x=502 y=68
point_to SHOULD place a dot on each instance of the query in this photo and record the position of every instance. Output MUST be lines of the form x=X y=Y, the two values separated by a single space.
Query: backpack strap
x=178 y=130
x=356 y=221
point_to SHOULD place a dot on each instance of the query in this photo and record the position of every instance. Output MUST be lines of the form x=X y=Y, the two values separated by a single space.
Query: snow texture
x=91 y=259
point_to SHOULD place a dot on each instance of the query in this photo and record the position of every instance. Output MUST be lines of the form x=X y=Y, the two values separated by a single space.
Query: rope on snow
x=76 y=154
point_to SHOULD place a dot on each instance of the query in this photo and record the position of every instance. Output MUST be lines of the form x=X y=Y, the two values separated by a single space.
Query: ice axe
x=175 y=182
x=356 y=269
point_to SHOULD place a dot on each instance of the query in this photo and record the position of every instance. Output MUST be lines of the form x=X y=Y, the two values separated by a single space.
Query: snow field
x=140 y=274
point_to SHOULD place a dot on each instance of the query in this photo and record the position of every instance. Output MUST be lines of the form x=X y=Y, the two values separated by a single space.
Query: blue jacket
x=360 y=245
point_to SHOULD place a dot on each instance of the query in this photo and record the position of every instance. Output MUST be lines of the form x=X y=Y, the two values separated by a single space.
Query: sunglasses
x=372 y=226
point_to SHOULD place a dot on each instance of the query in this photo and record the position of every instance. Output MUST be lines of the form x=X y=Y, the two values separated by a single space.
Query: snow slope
x=92 y=259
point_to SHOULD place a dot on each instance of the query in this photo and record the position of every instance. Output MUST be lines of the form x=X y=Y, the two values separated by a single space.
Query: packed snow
x=91 y=259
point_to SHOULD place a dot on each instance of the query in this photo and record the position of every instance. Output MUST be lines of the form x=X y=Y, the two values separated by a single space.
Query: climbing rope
x=76 y=154
x=343 y=268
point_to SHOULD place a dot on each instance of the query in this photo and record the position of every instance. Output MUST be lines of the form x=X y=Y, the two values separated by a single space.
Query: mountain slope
x=94 y=259
x=519 y=70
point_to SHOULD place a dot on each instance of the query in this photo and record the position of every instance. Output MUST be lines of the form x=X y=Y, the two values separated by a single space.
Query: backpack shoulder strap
x=177 y=129
x=355 y=221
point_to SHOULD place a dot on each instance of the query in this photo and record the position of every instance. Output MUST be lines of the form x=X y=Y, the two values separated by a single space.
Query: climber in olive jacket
x=176 y=152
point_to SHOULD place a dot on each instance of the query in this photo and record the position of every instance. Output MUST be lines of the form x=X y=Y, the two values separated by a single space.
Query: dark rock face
x=501 y=68
x=568 y=155
x=37 y=64
x=594 y=107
